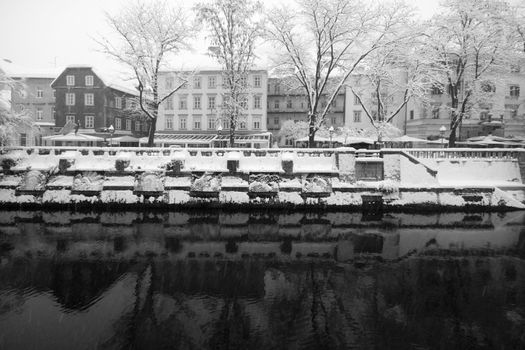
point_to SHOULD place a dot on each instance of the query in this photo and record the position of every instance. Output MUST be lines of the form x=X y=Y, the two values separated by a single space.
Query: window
x=89 y=80
x=169 y=82
x=89 y=99
x=23 y=139
x=212 y=82
x=276 y=104
x=39 y=114
x=435 y=113
x=242 y=125
x=39 y=93
x=128 y=124
x=183 y=103
x=257 y=81
x=374 y=115
x=411 y=115
x=118 y=123
x=89 y=121
x=356 y=100
x=70 y=99
x=197 y=82
x=276 y=121
x=277 y=89
x=70 y=80
x=211 y=123
x=357 y=116
x=169 y=103
x=137 y=126
x=514 y=91
x=289 y=104
x=244 y=102
x=333 y=121
x=257 y=102
x=211 y=102
x=515 y=68
x=242 y=81
x=484 y=115
x=334 y=103
x=196 y=123
x=183 y=123
x=196 y=102
x=118 y=102
x=256 y=123
x=435 y=90
x=488 y=87
x=169 y=122
x=70 y=119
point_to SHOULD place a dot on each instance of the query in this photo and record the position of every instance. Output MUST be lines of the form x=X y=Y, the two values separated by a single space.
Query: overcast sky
x=48 y=33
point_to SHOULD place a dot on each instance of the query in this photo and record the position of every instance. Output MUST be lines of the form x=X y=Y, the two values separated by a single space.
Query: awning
x=72 y=137
x=125 y=138
x=406 y=138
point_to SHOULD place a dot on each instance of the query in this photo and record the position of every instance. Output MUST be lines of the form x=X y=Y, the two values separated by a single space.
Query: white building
x=195 y=109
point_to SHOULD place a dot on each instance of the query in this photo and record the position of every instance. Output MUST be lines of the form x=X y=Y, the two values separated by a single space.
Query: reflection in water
x=261 y=281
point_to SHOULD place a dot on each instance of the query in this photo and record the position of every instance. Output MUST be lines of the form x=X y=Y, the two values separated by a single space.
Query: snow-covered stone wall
x=255 y=177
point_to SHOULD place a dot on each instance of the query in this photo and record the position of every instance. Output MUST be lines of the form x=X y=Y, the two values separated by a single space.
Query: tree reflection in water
x=407 y=288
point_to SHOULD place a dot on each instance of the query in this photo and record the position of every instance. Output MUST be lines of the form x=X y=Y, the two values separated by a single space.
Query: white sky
x=49 y=33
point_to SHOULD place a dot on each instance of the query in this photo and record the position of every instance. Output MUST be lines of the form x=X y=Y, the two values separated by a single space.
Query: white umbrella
x=406 y=138
x=72 y=137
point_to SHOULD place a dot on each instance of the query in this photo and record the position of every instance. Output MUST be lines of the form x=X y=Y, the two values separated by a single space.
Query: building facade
x=501 y=114
x=195 y=109
x=286 y=104
x=85 y=98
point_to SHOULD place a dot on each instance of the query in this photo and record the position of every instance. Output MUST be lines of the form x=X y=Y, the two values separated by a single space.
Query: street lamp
x=442 y=130
x=219 y=131
x=111 y=130
x=331 y=131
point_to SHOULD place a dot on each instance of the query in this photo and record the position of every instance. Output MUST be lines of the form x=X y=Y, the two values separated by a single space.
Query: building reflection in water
x=291 y=281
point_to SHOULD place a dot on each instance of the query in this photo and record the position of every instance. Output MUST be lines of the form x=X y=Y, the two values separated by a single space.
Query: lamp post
x=331 y=131
x=111 y=130
x=219 y=131
x=442 y=130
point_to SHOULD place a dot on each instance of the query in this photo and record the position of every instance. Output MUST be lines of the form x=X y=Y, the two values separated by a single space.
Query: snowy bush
x=264 y=183
x=88 y=182
x=317 y=185
x=121 y=164
x=388 y=186
x=8 y=163
x=175 y=165
x=33 y=181
x=206 y=183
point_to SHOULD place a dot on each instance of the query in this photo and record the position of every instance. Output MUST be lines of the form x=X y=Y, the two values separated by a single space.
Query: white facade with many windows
x=196 y=107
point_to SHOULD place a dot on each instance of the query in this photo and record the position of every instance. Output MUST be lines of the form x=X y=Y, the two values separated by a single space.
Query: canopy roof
x=406 y=138
x=125 y=138
x=72 y=137
x=340 y=139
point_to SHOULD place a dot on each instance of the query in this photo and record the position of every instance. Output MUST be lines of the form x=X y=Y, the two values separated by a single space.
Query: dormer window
x=89 y=80
x=70 y=80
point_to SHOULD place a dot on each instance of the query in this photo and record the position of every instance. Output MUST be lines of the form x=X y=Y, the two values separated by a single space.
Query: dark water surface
x=213 y=280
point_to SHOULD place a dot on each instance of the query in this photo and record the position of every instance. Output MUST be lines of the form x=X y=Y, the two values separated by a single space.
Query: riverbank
x=344 y=178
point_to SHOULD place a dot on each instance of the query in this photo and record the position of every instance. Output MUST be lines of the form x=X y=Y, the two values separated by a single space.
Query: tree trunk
x=152 y=129
x=232 y=132
x=311 y=131
x=453 y=122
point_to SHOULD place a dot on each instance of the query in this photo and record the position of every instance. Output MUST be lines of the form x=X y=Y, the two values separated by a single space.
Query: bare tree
x=323 y=41
x=390 y=77
x=11 y=122
x=149 y=34
x=235 y=26
x=473 y=43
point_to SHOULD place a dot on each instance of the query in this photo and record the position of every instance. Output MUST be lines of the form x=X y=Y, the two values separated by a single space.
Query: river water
x=268 y=280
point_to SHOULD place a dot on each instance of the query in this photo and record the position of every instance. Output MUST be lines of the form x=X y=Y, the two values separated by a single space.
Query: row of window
x=212 y=123
x=88 y=80
x=289 y=104
x=89 y=123
x=212 y=103
x=513 y=90
x=212 y=82
x=89 y=99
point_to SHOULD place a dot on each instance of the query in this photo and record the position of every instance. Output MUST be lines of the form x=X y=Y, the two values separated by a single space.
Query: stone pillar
x=345 y=162
x=391 y=165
